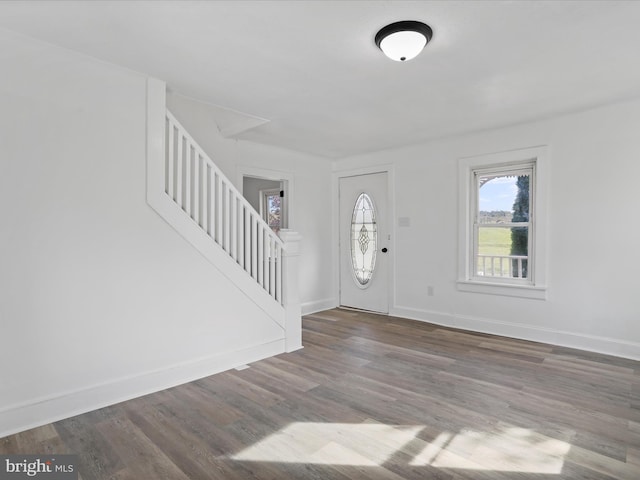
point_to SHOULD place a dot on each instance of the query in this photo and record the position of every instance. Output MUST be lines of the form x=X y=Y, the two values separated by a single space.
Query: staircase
x=191 y=193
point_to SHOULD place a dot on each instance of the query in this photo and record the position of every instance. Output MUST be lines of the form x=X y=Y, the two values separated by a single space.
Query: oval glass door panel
x=364 y=240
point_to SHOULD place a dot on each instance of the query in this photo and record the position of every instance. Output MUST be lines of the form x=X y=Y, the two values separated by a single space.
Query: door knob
x=384 y=250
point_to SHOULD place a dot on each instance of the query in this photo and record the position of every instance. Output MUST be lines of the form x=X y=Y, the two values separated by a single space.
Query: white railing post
x=291 y=296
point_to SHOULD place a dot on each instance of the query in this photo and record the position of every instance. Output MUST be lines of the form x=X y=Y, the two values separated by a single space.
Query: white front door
x=364 y=242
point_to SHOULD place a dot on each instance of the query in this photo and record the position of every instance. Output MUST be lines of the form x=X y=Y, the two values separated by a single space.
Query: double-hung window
x=502 y=222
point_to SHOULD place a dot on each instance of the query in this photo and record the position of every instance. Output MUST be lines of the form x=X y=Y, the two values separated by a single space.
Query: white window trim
x=467 y=282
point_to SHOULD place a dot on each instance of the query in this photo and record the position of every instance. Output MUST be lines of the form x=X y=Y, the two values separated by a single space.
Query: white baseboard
x=429 y=316
x=563 y=338
x=38 y=412
x=318 y=306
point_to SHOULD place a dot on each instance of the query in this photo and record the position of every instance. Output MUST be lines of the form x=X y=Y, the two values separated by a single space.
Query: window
x=270 y=208
x=502 y=223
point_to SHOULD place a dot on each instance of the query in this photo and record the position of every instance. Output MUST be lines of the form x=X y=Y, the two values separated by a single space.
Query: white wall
x=593 y=253
x=100 y=300
x=309 y=200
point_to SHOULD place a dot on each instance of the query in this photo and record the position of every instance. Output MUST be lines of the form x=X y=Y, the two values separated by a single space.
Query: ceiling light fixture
x=404 y=40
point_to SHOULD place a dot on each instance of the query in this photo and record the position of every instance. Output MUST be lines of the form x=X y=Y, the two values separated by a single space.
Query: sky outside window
x=498 y=194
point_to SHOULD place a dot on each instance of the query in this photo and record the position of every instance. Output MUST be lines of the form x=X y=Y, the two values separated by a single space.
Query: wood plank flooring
x=373 y=397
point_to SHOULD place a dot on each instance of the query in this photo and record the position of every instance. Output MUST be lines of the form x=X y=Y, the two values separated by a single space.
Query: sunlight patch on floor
x=507 y=449
x=370 y=444
x=362 y=444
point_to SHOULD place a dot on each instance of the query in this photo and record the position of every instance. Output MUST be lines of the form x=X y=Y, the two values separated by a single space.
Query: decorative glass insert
x=364 y=239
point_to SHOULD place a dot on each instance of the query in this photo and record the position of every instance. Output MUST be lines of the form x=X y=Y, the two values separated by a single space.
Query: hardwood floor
x=373 y=397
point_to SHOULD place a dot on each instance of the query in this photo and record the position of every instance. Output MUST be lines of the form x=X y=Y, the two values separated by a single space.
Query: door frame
x=391 y=214
x=275 y=175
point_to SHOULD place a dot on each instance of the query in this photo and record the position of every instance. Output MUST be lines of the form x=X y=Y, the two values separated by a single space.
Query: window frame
x=528 y=168
x=264 y=205
x=469 y=170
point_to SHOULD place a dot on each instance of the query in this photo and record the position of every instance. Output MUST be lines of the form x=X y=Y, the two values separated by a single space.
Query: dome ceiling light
x=401 y=41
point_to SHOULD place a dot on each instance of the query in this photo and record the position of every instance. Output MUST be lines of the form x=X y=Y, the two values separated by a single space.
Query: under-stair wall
x=194 y=196
x=100 y=299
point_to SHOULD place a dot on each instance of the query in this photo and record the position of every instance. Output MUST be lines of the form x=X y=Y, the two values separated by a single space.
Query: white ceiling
x=311 y=68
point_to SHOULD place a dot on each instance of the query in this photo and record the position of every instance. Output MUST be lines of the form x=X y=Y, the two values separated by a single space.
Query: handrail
x=207 y=196
x=498 y=270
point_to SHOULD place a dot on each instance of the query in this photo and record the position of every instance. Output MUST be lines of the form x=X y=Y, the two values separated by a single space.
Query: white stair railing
x=206 y=195
x=195 y=198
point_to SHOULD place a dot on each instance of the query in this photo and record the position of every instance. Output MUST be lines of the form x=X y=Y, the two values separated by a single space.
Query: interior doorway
x=270 y=198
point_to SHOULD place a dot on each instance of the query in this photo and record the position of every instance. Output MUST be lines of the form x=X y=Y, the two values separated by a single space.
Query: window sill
x=507 y=290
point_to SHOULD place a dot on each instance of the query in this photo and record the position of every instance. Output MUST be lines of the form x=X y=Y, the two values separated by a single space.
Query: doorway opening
x=270 y=198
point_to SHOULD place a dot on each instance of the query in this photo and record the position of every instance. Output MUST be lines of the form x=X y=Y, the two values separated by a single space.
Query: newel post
x=291 y=295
